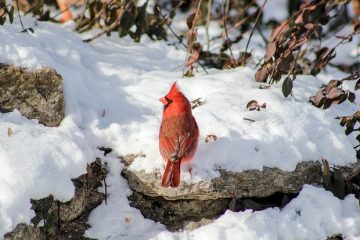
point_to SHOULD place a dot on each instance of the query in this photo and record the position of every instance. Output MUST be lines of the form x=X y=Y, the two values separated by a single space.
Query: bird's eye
x=168 y=102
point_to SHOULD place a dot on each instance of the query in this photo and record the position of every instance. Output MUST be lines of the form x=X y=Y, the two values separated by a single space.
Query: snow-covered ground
x=111 y=92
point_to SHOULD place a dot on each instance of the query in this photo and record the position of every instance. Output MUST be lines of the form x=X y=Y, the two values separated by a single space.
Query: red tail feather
x=171 y=175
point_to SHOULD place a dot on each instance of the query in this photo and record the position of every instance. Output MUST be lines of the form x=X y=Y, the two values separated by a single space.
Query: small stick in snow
x=248 y=119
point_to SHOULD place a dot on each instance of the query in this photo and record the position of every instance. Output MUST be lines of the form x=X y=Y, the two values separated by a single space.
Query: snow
x=31 y=167
x=111 y=92
x=314 y=214
x=274 y=10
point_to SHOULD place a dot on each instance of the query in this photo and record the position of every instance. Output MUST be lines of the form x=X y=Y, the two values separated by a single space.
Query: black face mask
x=169 y=101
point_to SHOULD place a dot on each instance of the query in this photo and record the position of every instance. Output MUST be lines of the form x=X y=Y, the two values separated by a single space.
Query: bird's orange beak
x=163 y=100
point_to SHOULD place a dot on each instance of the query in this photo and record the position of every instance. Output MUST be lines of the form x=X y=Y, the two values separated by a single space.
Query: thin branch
x=191 y=31
x=207 y=25
x=226 y=32
x=59 y=218
x=106 y=192
x=88 y=26
x=18 y=10
x=292 y=70
x=32 y=7
x=262 y=35
x=171 y=30
x=107 y=29
x=252 y=31
x=177 y=36
x=248 y=119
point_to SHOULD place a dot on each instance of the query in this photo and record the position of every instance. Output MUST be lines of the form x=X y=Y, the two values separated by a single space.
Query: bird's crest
x=174 y=88
x=175 y=91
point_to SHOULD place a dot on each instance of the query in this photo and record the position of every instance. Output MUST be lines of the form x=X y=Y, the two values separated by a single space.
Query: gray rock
x=192 y=205
x=179 y=214
x=37 y=93
x=24 y=232
x=66 y=220
x=251 y=183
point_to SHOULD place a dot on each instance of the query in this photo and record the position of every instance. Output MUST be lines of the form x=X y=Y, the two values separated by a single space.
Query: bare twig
x=32 y=7
x=189 y=47
x=207 y=25
x=292 y=70
x=58 y=218
x=107 y=29
x=88 y=26
x=177 y=36
x=171 y=30
x=262 y=35
x=248 y=119
x=18 y=10
x=106 y=193
x=252 y=31
x=226 y=32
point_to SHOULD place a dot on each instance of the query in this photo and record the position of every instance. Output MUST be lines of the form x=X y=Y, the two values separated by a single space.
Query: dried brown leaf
x=270 y=50
x=342 y=98
x=284 y=26
x=197 y=103
x=357 y=28
x=334 y=93
x=194 y=56
x=284 y=63
x=190 y=20
x=331 y=84
x=210 y=138
x=262 y=74
x=344 y=120
x=310 y=26
x=252 y=105
x=327 y=103
x=319 y=99
x=351 y=96
x=357 y=85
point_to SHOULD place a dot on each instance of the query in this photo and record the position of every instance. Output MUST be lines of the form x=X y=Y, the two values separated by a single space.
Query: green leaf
x=2 y=20
x=11 y=14
x=287 y=86
x=141 y=21
x=172 y=14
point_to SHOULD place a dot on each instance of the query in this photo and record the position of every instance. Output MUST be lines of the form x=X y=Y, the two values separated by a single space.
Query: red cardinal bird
x=179 y=135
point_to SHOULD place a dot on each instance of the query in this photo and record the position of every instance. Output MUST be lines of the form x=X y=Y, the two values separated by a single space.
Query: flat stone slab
x=250 y=183
x=36 y=93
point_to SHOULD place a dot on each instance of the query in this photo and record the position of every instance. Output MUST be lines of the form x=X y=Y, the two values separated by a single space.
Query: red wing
x=174 y=149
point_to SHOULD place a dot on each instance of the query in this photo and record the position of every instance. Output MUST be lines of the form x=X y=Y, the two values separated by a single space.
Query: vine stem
x=252 y=31
x=226 y=32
